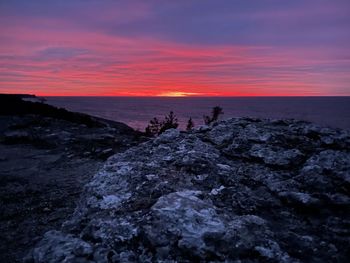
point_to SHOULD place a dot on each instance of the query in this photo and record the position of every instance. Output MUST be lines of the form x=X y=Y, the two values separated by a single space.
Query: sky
x=175 y=48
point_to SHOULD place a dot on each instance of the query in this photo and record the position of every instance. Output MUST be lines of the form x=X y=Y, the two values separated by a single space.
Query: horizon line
x=186 y=96
x=234 y=96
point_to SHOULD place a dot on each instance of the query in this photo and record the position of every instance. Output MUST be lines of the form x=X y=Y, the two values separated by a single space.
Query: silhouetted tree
x=170 y=122
x=156 y=127
x=216 y=112
x=153 y=127
x=207 y=120
x=190 y=124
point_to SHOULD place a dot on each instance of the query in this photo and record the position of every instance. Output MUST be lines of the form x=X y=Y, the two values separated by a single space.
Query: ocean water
x=137 y=111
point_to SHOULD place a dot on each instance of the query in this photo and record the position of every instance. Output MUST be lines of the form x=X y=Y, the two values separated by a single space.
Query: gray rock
x=182 y=219
x=168 y=136
x=241 y=190
x=327 y=170
x=56 y=247
x=276 y=156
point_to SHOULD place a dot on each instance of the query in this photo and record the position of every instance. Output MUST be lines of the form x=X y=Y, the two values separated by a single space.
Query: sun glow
x=177 y=94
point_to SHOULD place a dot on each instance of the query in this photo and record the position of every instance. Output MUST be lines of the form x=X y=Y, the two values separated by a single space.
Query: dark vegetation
x=170 y=122
x=190 y=124
x=157 y=127
x=13 y=104
x=47 y=127
x=216 y=112
x=153 y=127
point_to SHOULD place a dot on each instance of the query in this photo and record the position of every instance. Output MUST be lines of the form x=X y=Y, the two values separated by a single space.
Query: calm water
x=136 y=112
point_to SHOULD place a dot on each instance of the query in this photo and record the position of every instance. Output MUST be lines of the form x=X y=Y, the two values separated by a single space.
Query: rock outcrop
x=47 y=155
x=242 y=190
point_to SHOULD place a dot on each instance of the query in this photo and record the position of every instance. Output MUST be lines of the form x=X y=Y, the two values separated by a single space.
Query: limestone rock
x=242 y=190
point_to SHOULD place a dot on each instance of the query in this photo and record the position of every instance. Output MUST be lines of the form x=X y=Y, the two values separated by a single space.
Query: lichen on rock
x=244 y=190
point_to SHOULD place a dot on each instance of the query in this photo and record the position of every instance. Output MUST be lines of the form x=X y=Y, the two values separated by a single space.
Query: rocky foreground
x=47 y=155
x=243 y=190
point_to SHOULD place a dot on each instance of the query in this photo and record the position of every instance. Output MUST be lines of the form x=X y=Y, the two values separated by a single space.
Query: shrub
x=170 y=122
x=190 y=124
x=156 y=127
x=216 y=112
x=153 y=127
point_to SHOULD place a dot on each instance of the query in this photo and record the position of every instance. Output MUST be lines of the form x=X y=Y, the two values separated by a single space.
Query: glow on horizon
x=177 y=94
x=136 y=48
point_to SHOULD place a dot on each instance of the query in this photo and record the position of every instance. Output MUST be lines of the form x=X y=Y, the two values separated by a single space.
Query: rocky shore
x=47 y=155
x=241 y=190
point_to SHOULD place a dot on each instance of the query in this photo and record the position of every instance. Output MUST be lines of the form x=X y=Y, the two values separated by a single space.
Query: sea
x=138 y=111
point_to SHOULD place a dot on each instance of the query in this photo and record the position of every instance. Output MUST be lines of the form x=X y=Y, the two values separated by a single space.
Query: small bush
x=170 y=122
x=153 y=128
x=190 y=124
x=156 y=127
x=216 y=112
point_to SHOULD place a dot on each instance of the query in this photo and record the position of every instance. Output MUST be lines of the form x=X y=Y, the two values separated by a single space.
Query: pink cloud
x=114 y=65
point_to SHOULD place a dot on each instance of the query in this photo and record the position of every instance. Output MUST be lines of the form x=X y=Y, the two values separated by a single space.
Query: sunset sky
x=175 y=48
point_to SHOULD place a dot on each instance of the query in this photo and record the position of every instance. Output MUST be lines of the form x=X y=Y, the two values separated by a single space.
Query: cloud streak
x=49 y=55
